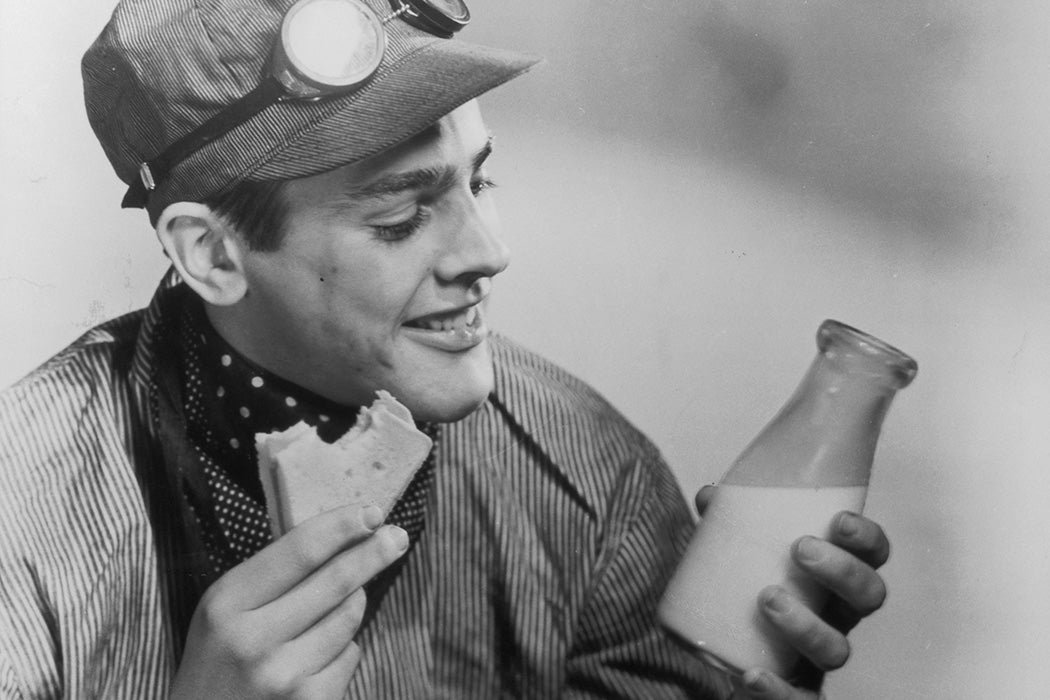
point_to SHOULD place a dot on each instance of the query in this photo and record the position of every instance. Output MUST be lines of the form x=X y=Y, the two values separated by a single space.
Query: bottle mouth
x=838 y=339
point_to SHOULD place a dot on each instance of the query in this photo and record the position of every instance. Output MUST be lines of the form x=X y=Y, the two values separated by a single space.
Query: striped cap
x=161 y=68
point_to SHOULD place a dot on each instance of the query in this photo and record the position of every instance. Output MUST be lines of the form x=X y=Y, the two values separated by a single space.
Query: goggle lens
x=328 y=44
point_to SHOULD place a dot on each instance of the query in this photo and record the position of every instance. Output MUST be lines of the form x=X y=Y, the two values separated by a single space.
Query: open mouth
x=466 y=320
x=451 y=331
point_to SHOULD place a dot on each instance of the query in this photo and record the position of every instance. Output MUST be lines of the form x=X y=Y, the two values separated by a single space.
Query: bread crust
x=372 y=464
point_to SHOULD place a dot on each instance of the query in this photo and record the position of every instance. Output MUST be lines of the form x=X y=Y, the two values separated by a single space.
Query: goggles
x=325 y=48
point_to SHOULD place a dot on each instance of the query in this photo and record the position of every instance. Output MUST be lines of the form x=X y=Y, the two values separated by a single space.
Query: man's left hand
x=845 y=564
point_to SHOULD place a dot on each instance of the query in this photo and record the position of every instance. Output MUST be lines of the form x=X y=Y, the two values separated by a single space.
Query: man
x=326 y=209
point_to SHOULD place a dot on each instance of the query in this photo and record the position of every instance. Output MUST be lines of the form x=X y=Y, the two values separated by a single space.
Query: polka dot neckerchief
x=226 y=400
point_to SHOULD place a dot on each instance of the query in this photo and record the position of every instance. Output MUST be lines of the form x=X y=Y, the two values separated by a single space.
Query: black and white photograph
x=556 y=349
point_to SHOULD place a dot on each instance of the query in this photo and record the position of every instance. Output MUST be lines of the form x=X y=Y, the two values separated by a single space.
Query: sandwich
x=372 y=464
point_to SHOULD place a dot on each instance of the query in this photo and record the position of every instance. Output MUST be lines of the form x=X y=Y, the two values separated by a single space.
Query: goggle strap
x=422 y=14
x=265 y=94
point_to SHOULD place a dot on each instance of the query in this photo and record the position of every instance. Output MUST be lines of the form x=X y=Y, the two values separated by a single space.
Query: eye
x=402 y=229
x=480 y=184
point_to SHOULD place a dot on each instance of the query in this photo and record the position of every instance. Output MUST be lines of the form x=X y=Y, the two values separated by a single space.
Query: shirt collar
x=160 y=308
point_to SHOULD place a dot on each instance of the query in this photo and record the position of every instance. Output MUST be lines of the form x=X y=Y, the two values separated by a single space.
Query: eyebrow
x=424 y=178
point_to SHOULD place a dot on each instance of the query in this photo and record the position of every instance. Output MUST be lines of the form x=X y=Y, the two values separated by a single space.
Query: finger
x=703 y=498
x=849 y=578
x=861 y=536
x=760 y=684
x=321 y=644
x=803 y=629
x=331 y=682
x=302 y=550
x=840 y=615
x=309 y=601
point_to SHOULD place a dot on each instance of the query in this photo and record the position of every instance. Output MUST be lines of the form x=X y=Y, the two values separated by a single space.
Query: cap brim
x=296 y=139
x=417 y=91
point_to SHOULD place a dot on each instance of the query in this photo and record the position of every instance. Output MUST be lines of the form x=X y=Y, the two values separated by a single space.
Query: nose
x=474 y=247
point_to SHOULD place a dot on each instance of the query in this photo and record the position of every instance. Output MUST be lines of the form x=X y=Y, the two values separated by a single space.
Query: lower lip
x=459 y=340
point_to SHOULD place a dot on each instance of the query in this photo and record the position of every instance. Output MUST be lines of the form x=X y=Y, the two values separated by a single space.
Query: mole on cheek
x=329 y=273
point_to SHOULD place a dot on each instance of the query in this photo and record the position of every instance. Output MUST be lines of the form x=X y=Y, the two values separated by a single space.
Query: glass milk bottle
x=810 y=462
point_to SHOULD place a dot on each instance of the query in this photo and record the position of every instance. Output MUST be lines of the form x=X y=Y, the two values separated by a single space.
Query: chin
x=447 y=412
x=449 y=406
x=453 y=399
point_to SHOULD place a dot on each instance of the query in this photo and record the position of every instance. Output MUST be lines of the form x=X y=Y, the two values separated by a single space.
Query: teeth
x=458 y=323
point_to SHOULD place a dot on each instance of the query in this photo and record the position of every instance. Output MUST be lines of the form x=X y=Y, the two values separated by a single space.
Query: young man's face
x=382 y=278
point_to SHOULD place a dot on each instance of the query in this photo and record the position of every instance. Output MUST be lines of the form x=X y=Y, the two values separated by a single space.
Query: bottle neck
x=825 y=435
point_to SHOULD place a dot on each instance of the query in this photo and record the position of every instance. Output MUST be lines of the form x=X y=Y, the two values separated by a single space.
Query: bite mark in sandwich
x=303 y=476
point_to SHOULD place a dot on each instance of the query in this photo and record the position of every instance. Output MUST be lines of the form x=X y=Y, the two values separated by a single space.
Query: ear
x=206 y=252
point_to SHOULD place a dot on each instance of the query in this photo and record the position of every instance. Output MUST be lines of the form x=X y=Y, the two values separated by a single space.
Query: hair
x=256 y=210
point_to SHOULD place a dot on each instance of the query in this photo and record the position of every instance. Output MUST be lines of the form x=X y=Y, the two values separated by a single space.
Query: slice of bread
x=303 y=476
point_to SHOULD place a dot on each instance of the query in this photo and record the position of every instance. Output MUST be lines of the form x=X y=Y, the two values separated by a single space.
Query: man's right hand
x=281 y=624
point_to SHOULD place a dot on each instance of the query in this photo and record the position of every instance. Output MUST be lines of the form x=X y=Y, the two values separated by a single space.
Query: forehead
x=450 y=146
x=459 y=134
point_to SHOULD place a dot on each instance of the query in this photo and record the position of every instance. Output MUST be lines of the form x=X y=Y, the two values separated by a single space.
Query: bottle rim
x=904 y=367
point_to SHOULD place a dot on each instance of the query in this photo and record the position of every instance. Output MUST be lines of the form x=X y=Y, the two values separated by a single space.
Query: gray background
x=689 y=188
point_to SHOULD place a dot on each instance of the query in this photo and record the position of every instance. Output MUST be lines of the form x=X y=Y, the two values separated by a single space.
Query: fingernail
x=399 y=537
x=808 y=550
x=848 y=525
x=756 y=680
x=372 y=517
x=778 y=602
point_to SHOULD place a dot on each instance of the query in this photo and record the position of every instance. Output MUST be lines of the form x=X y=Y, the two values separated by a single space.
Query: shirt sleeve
x=620 y=650
x=9 y=687
x=26 y=662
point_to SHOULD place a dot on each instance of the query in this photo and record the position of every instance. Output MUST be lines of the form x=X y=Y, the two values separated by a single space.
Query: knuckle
x=866 y=538
x=836 y=653
x=318 y=539
x=874 y=595
x=813 y=640
x=828 y=650
x=864 y=588
x=849 y=570
x=274 y=677
x=213 y=611
x=345 y=525
x=230 y=629
x=216 y=595
x=241 y=645
x=339 y=523
x=308 y=549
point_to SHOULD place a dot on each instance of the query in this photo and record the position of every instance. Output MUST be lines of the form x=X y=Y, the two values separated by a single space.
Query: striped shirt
x=552 y=527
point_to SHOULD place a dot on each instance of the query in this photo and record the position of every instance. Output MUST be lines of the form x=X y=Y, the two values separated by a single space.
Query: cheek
x=363 y=303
